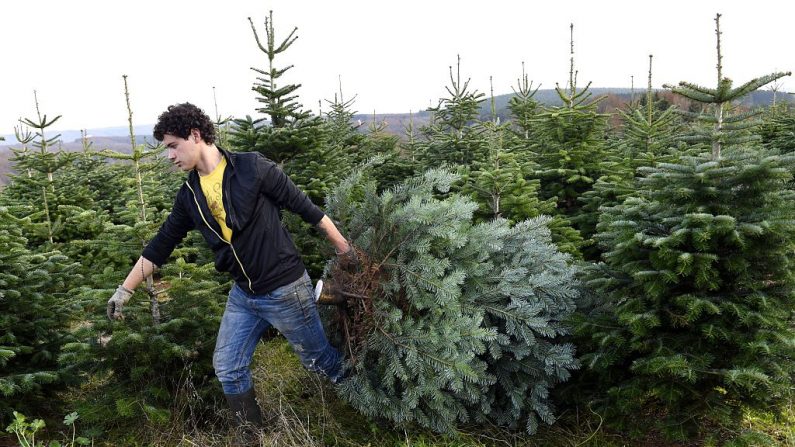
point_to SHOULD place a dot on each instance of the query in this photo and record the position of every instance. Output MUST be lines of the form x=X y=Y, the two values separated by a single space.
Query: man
x=234 y=199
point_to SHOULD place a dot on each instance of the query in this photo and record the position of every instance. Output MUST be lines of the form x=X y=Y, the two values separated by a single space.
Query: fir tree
x=524 y=108
x=520 y=140
x=411 y=144
x=36 y=311
x=104 y=181
x=451 y=139
x=778 y=129
x=43 y=190
x=448 y=321
x=396 y=165
x=648 y=137
x=340 y=130
x=222 y=125
x=694 y=317
x=290 y=130
x=497 y=182
x=244 y=133
x=37 y=187
x=144 y=226
x=156 y=367
x=318 y=168
x=570 y=143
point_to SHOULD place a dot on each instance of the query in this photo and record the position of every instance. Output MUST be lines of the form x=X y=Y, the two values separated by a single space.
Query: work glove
x=348 y=261
x=117 y=302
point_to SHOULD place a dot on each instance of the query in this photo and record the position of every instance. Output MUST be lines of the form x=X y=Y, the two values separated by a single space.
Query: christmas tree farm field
x=304 y=410
x=301 y=409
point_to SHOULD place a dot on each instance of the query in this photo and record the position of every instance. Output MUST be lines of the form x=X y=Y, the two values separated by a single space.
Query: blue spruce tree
x=448 y=320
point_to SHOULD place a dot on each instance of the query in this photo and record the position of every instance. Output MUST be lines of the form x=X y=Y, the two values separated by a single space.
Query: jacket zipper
x=219 y=237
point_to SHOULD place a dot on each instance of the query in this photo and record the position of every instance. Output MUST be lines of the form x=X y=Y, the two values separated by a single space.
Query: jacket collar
x=230 y=160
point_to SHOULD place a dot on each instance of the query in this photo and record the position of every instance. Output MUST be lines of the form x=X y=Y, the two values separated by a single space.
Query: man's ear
x=196 y=135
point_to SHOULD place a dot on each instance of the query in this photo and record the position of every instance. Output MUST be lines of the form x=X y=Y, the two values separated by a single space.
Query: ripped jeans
x=292 y=311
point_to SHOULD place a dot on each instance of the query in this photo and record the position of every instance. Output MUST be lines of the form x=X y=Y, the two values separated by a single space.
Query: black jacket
x=261 y=256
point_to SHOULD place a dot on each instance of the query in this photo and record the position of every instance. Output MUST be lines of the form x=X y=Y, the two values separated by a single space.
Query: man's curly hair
x=179 y=119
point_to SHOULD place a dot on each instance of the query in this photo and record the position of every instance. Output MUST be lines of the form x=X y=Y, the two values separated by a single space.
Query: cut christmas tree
x=445 y=320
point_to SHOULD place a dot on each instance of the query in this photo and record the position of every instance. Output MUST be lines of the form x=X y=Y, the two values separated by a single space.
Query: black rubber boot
x=245 y=409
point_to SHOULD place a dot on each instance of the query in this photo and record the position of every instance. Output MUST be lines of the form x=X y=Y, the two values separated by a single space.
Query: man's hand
x=348 y=261
x=117 y=302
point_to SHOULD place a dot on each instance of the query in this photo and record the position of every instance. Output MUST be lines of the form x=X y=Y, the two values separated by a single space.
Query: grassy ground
x=303 y=410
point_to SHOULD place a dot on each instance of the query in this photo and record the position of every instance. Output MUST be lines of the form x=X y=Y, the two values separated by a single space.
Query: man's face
x=183 y=153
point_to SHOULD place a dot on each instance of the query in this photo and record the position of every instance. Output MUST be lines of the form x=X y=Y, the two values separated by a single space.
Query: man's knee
x=228 y=368
x=327 y=361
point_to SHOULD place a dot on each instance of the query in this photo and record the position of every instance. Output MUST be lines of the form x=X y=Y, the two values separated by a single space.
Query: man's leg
x=291 y=309
x=237 y=339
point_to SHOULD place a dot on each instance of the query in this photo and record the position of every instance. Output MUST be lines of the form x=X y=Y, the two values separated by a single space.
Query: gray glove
x=117 y=302
x=348 y=261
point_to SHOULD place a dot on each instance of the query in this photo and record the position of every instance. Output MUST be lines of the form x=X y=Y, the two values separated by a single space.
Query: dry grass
x=301 y=409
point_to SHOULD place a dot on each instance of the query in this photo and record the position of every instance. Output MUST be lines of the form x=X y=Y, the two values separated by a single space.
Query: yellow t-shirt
x=212 y=187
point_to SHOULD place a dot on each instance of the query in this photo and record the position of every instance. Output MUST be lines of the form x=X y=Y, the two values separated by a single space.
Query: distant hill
x=549 y=97
x=98 y=143
x=616 y=97
x=74 y=135
x=396 y=123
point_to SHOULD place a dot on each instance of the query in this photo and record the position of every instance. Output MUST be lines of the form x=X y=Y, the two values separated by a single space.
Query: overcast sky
x=393 y=55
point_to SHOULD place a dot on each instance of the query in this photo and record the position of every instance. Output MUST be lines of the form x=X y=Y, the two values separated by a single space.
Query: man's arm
x=347 y=259
x=278 y=186
x=138 y=273
x=156 y=252
x=327 y=227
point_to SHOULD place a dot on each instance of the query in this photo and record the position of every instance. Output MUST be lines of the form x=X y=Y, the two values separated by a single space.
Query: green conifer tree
x=144 y=226
x=37 y=186
x=44 y=191
x=222 y=125
x=451 y=139
x=396 y=164
x=570 y=144
x=156 y=368
x=693 y=317
x=160 y=355
x=648 y=137
x=497 y=181
x=520 y=138
x=36 y=311
x=244 y=133
x=318 y=168
x=102 y=181
x=778 y=128
x=524 y=108
x=290 y=130
x=448 y=321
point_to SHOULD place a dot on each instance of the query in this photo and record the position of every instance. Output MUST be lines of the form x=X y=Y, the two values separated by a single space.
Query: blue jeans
x=292 y=311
